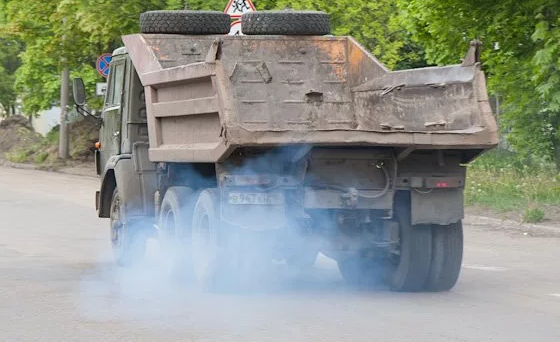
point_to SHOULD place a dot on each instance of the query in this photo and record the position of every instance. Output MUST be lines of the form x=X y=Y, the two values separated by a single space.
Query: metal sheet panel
x=438 y=206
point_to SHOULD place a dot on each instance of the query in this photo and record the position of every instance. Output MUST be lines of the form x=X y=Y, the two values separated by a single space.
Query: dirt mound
x=84 y=133
x=22 y=145
x=17 y=133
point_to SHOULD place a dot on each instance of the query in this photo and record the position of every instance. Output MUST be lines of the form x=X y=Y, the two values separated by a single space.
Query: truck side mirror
x=79 y=92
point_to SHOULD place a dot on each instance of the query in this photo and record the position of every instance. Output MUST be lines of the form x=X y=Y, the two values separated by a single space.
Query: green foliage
x=505 y=182
x=20 y=156
x=41 y=157
x=522 y=56
x=66 y=33
x=208 y=5
x=373 y=23
x=72 y=33
x=9 y=62
x=533 y=215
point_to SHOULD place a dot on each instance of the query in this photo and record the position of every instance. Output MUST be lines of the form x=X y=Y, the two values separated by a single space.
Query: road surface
x=58 y=283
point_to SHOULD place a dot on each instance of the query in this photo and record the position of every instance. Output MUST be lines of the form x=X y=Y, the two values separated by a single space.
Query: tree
x=50 y=43
x=9 y=62
x=10 y=49
x=373 y=23
x=59 y=33
x=522 y=58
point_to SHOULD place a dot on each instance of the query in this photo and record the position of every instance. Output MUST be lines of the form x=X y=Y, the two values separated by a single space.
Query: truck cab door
x=111 y=130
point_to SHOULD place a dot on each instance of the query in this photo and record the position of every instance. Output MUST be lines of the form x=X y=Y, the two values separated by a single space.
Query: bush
x=19 y=156
x=533 y=215
x=41 y=157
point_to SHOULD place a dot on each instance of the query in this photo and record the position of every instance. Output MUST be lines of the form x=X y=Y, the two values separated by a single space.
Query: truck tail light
x=443 y=182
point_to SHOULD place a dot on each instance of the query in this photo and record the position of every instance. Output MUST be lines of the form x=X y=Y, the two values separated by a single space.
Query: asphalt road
x=58 y=283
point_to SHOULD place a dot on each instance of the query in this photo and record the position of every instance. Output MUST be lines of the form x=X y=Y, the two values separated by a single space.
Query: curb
x=475 y=220
x=21 y=166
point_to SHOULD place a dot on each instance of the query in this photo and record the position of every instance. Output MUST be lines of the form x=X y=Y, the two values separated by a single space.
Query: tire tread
x=185 y=22
x=285 y=23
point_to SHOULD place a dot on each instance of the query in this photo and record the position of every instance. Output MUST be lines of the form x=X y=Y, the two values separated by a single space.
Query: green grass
x=20 y=156
x=41 y=157
x=505 y=182
x=533 y=215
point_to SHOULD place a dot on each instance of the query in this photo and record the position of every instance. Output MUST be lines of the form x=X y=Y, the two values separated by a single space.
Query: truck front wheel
x=128 y=238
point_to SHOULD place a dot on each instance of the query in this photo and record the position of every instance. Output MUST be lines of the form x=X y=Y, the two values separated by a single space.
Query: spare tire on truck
x=286 y=23
x=185 y=22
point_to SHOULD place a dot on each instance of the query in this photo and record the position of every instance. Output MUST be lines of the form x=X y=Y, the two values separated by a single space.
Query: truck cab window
x=116 y=81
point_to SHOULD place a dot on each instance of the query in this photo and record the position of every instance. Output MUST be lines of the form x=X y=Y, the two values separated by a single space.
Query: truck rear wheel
x=302 y=246
x=447 y=255
x=174 y=231
x=285 y=23
x=409 y=269
x=185 y=22
x=128 y=239
x=226 y=258
x=359 y=271
x=210 y=264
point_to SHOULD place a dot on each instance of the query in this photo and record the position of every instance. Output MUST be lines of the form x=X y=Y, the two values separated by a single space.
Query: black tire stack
x=286 y=22
x=185 y=22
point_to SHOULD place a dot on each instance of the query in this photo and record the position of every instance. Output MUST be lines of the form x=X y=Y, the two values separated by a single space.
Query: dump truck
x=282 y=143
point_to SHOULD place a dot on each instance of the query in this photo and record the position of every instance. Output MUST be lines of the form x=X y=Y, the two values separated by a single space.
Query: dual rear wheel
x=210 y=252
x=428 y=259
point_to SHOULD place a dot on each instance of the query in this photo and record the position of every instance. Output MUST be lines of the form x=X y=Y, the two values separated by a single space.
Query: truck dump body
x=208 y=95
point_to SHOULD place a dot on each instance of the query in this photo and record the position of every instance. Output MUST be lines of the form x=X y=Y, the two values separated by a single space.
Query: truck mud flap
x=437 y=206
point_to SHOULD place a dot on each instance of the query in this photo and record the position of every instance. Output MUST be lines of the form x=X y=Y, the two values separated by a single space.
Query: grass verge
x=506 y=183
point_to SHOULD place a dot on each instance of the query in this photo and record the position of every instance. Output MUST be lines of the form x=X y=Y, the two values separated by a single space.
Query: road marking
x=486 y=268
x=554 y=294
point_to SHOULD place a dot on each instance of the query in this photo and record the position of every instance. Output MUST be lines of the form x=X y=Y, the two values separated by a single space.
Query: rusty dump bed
x=207 y=95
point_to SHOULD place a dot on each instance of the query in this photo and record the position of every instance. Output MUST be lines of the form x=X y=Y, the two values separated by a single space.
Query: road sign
x=236 y=28
x=102 y=64
x=100 y=89
x=235 y=8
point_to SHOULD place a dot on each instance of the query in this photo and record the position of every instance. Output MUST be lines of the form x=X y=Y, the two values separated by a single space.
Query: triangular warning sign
x=236 y=8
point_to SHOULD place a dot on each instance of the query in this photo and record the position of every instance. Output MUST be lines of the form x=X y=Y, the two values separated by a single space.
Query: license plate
x=249 y=198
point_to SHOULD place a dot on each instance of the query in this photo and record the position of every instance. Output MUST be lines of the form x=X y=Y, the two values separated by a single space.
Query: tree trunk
x=557 y=157
x=63 y=133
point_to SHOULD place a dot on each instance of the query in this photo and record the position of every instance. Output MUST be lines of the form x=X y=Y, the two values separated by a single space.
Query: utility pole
x=64 y=81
